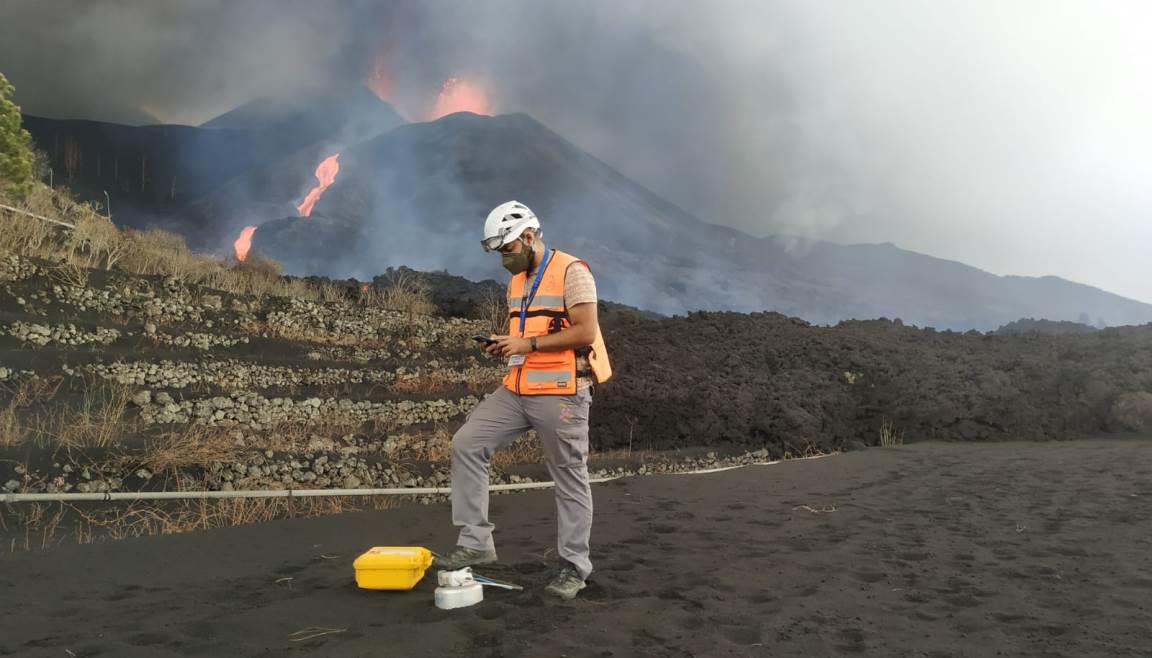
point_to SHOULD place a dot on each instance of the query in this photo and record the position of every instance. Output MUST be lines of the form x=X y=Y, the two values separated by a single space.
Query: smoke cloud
x=1011 y=136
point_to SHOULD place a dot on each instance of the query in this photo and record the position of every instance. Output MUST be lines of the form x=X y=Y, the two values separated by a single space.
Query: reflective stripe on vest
x=541 y=300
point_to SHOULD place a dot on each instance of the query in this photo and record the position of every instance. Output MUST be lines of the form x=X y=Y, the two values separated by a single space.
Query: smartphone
x=483 y=340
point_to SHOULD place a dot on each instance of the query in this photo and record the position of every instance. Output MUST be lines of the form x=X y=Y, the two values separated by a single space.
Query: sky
x=1010 y=135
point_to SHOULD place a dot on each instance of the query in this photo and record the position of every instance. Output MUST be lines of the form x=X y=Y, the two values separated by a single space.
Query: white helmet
x=506 y=223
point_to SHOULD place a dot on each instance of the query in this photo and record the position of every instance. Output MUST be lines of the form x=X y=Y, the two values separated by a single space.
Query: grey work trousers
x=561 y=422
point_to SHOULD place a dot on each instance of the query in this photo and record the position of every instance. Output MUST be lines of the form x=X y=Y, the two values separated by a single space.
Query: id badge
x=516 y=360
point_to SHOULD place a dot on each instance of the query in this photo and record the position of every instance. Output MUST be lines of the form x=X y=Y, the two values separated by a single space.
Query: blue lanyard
x=526 y=300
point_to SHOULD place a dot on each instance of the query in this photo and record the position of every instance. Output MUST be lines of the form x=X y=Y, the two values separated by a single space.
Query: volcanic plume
x=325 y=173
x=378 y=78
x=459 y=95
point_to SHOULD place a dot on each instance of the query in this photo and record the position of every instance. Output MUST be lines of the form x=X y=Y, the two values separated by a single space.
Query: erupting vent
x=459 y=95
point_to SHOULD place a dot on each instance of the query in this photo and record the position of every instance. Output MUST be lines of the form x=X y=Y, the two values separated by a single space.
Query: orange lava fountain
x=459 y=95
x=326 y=174
x=244 y=243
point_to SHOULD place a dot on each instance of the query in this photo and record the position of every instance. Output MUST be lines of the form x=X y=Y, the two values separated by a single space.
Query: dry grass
x=493 y=311
x=436 y=448
x=193 y=446
x=35 y=525
x=889 y=435
x=809 y=449
x=426 y=383
x=29 y=236
x=316 y=335
x=11 y=429
x=96 y=242
x=526 y=449
x=27 y=392
x=157 y=252
x=69 y=274
x=23 y=395
x=405 y=292
x=294 y=437
x=328 y=292
x=1134 y=410
x=98 y=420
x=257 y=276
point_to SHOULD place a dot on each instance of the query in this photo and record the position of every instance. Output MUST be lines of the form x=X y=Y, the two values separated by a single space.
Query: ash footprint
x=494 y=610
x=854 y=638
x=745 y=634
x=761 y=598
x=529 y=568
x=124 y=593
x=148 y=639
x=673 y=594
x=690 y=622
x=869 y=576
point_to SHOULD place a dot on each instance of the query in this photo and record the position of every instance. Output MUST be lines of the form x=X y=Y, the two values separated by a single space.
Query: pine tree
x=15 y=155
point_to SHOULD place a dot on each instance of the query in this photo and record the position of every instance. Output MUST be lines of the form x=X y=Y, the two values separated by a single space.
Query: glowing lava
x=459 y=95
x=244 y=243
x=325 y=173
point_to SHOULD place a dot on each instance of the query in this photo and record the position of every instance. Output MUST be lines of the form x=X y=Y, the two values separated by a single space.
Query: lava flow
x=244 y=243
x=459 y=95
x=326 y=174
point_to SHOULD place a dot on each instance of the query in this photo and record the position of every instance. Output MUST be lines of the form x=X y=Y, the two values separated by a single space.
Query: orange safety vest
x=549 y=373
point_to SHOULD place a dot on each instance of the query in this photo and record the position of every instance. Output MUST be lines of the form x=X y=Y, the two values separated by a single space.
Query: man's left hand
x=509 y=346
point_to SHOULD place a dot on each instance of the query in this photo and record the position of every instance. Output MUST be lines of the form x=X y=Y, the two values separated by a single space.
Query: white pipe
x=322 y=493
x=41 y=217
x=258 y=493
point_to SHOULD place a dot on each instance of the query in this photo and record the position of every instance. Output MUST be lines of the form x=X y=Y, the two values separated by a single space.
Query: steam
x=993 y=133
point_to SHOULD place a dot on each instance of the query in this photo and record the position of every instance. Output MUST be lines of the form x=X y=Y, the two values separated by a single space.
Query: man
x=555 y=354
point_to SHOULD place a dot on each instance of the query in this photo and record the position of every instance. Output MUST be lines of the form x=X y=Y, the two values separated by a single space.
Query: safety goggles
x=494 y=242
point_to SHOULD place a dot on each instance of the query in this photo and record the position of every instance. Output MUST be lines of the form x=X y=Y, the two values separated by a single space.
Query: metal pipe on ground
x=34 y=215
x=320 y=493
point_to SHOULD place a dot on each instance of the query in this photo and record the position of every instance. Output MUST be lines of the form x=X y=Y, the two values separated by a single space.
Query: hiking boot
x=462 y=556
x=567 y=584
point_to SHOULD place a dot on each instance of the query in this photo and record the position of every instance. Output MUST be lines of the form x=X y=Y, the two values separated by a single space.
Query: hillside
x=429 y=185
x=162 y=175
x=414 y=196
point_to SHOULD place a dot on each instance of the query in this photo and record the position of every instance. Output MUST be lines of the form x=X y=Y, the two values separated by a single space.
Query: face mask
x=517 y=262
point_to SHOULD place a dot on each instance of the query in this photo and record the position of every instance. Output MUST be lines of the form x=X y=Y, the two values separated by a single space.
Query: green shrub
x=15 y=155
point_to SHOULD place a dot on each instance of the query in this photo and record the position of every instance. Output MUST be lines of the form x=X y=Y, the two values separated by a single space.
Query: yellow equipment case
x=392 y=567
